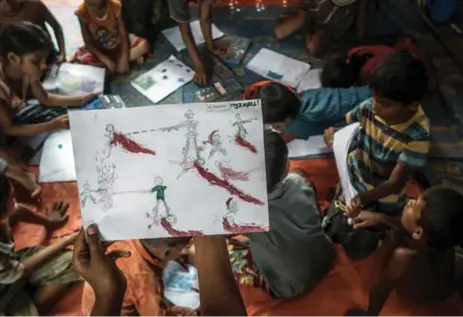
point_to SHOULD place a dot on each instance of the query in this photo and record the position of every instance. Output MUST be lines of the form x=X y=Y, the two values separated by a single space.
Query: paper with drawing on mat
x=341 y=143
x=314 y=145
x=172 y=170
x=311 y=80
x=174 y=36
x=164 y=79
x=278 y=67
x=57 y=161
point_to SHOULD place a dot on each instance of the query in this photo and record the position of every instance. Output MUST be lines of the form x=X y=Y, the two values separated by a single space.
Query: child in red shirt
x=107 y=42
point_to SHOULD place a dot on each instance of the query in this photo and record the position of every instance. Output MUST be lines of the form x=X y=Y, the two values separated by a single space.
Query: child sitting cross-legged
x=394 y=135
x=143 y=271
x=32 y=280
x=301 y=118
x=421 y=270
x=107 y=42
x=293 y=256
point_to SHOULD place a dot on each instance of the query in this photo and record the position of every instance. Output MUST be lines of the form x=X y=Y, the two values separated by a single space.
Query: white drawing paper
x=311 y=80
x=74 y=79
x=278 y=67
x=164 y=79
x=314 y=145
x=181 y=285
x=341 y=142
x=173 y=170
x=174 y=36
x=57 y=161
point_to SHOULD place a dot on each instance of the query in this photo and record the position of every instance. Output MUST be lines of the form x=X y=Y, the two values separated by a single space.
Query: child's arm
x=110 y=65
x=123 y=66
x=54 y=100
x=57 y=29
x=187 y=37
x=206 y=26
x=215 y=273
x=32 y=263
x=11 y=129
x=370 y=218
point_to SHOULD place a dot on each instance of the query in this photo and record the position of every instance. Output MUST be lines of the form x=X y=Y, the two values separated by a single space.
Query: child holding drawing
x=107 y=42
x=24 y=48
x=179 y=11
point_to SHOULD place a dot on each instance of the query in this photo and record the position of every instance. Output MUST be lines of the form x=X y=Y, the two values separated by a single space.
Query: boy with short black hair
x=295 y=254
x=180 y=12
x=422 y=268
x=311 y=115
x=394 y=135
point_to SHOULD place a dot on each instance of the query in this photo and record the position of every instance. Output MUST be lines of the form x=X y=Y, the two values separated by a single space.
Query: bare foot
x=317 y=41
x=57 y=216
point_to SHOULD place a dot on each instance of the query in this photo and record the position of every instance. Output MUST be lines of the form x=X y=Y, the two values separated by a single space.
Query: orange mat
x=347 y=285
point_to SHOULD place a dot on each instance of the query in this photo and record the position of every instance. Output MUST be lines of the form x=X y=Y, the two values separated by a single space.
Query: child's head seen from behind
x=276 y=159
x=25 y=47
x=398 y=85
x=95 y=5
x=280 y=105
x=166 y=249
x=435 y=218
x=342 y=72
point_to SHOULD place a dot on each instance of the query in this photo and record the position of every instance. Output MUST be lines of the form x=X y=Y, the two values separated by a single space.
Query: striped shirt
x=378 y=147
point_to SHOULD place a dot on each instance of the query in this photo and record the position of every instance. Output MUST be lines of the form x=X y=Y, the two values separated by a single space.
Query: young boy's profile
x=394 y=135
x=422 y=268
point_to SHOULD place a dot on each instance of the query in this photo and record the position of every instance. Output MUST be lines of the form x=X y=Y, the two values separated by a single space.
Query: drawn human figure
x=160 y=190
x=191 y=136
x=239 y=123
x=106 y=178
x=115 y=138
x=228 y=173
x=232 y=210
x=87 y=193
x=215 y=140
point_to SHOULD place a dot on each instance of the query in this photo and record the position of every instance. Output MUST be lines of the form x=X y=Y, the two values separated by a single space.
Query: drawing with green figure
x=160 y=190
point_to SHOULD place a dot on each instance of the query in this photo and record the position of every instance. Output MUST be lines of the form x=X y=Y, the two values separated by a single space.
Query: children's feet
x=317 y=41
x=57 y=216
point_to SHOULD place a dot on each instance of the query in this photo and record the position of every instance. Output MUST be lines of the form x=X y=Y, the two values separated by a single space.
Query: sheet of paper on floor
x=74 y=79
x=163 y=79
x=311 y=80
x=174 y=36
x=180 y=285
x=278 y=67
x=57 y=161
x=341 y=142
x=172 y=170
x=314 y=145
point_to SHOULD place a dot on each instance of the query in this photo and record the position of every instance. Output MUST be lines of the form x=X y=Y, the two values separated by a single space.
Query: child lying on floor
x=32 y=280
x=318 y=109
x=358 y=65
x=24 y=48
x=394 y=135
x=143 y=271
x=107 y=42
x=180 y=12
x=320 y=20
x=295 y=254
x=422 y=267
x=13 y=11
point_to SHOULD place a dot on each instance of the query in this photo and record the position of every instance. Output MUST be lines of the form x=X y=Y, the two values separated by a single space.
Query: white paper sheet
x=341 y=142
x=314 y=145
x=173 y=170
x=180 y=285
x=278 y=67
x=175 y=38
x=57 y=161
x=74 y=79
x=164 y=79
x=311 y=80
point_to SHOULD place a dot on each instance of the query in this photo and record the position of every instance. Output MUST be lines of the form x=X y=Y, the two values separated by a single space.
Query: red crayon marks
x=229 y=173
x=214 y=180
x=243 y=143
x=240 y=228
x=128 y=144
x=178 y=233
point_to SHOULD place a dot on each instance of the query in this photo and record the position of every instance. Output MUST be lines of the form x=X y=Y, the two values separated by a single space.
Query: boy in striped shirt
x=393 y=140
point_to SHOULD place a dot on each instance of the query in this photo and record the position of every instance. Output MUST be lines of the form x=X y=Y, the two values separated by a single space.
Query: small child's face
x=410 y=216
x=393 y=112
x=33 y=64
